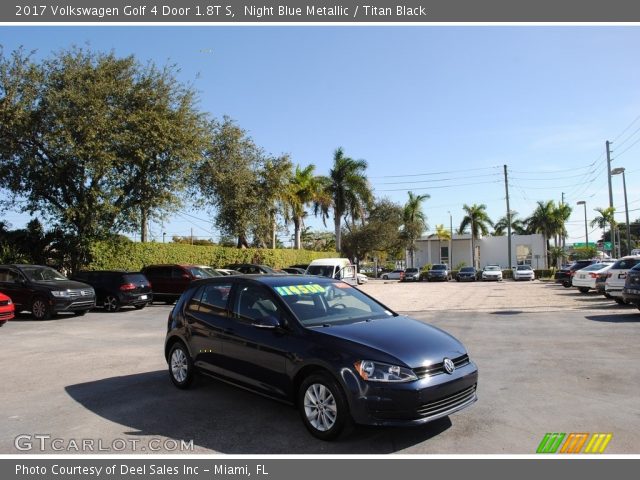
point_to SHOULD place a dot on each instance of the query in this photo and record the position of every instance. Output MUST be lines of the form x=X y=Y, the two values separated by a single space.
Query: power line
x=440 y=186
x=438 y=179
x=435 y=173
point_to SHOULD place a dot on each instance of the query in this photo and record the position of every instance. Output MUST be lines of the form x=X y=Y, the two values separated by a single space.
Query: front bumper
x=615 y=292
x=437 y=278
x=73 y=304
x=412 y=403
x=466 y=278
x=492 y=278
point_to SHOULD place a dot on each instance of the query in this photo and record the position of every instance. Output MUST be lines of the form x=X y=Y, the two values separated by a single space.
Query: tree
x=349 y=191
x=227 y=179
x=544 y=220
x=414 y=221
x=500 y=228
x=305 y=189
x=69 y=135
x=605 y=218
x=274 y=178
x=378 y=235
x=443 y=234
x=478 y=221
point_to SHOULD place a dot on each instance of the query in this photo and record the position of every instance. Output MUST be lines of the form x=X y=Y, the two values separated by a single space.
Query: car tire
x=583 y=289
x=140 y=307
x=566 y=284
x=111 y=303
x=80 y=313
x=323 y=406
x=181 y=369
x=620 y=301
x=2 y=322
x=385 y=277
x=40 y=309
x=606 y=295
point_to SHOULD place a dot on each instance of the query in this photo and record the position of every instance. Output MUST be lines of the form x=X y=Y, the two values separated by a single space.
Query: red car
x=7 y=309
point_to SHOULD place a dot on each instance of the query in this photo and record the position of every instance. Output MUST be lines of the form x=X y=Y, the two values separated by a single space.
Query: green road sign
x=583 y=245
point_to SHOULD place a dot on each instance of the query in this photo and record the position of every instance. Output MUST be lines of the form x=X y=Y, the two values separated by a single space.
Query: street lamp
x=617 y=171
x=586 y=230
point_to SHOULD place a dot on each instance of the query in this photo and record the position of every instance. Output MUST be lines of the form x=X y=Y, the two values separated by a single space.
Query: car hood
x=63 y=285
x=414 y=343
x=492 y=272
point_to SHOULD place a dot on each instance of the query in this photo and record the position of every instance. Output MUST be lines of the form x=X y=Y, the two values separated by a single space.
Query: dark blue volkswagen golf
x=334 y=352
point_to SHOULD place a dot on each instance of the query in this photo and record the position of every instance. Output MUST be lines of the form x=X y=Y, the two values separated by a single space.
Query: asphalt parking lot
x=550 y=360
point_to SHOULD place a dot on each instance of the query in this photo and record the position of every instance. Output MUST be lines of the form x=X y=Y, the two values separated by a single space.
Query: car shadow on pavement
x=225 y=419
x=619 y=318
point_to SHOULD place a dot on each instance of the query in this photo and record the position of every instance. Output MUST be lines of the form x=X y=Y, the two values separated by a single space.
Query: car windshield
x=322 y=270
x=594 y=267
x=439 y=267
x=491 y=268
x=135 y=278
x=467 y=270
x=211 y=271
x=322 y=303
x=198 y=272
x=42 y=274
x=411 y=270
x=524 y=267
x=625 y=263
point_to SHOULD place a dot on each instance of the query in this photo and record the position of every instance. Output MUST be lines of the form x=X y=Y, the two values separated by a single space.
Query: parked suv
x=411 y=275
x=631 y=290
x=116 y=289
x=44 y=291
x=617 y=276
x=169 y=281
x=439 y=272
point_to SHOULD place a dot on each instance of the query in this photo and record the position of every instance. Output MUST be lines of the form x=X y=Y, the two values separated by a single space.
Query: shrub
x=133 y=256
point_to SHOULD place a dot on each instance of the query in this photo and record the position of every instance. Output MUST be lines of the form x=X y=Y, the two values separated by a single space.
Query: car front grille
x=438 y=368
x=447 y=404
x=4 y=303
x=80 y=293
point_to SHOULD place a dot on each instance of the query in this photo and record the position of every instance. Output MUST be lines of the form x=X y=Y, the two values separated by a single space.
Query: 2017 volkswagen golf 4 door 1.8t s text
x=325 y=346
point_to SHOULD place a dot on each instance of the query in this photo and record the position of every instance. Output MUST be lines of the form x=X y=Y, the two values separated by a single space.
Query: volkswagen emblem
x=449 y=367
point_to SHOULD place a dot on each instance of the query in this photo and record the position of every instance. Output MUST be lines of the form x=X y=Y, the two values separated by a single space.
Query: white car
x=585 y=279
x=523 y=272
x=395 y=275
x=492 y=272
x=362 y=278
x=617 y=276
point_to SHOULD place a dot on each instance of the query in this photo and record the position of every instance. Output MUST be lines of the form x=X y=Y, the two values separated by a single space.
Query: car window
x=8 y=276
x=323 y=270
x=214 y=298
x=625 y=264
x=254 y=302
x=439 y=267
x=468 y=269
x=491 y=268
x=136 y=278
x=194 y=302
x=524 y=267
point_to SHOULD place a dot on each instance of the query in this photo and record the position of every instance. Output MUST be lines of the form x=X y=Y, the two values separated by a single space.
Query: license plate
x=633 y=291
x=143 y=297
x=622 y=275
x=583 y=276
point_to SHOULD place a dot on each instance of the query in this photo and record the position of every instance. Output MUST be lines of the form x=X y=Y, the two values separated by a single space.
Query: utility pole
x=506 y=188
x=563 y=238
x=191 y=235
x=613 y=234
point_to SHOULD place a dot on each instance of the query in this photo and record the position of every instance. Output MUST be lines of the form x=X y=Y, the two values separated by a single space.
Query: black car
x=117 y=289
x=43 y=291
x=320 y=344
x=467 y=274
x=439 y=272
x=565 y=275
x=631 y=290
x=294 y=270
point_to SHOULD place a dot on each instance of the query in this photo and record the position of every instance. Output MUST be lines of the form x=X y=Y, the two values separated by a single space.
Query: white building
x=525 y=249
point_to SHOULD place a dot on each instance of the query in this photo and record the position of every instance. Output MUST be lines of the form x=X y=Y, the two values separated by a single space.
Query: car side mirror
x=268 y=322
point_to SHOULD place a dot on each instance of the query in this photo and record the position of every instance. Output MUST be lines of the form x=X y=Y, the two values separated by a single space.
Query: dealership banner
x=317 y=11
x=313 y=468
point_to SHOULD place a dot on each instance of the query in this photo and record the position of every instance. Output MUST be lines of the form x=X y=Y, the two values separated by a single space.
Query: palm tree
x=562 y=214
x=543 y=220
x=348 y=189
x=304 y=189
x=414 y=221
x=606 y=217
x=502 y=225
x=443 y=234
x=479 y=222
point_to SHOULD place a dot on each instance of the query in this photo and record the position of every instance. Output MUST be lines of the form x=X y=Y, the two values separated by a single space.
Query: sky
x=432 y=109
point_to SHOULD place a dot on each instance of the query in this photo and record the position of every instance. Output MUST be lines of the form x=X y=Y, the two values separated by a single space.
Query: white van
x=340 y=268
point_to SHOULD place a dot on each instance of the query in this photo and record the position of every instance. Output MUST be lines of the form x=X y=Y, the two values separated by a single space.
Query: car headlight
x=60 y=293
x=383 y=372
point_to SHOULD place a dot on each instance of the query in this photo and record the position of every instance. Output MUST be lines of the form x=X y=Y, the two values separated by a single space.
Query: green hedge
x=133 y=256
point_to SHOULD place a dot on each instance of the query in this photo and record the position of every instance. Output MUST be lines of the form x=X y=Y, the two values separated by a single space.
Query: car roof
x=272 y=280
